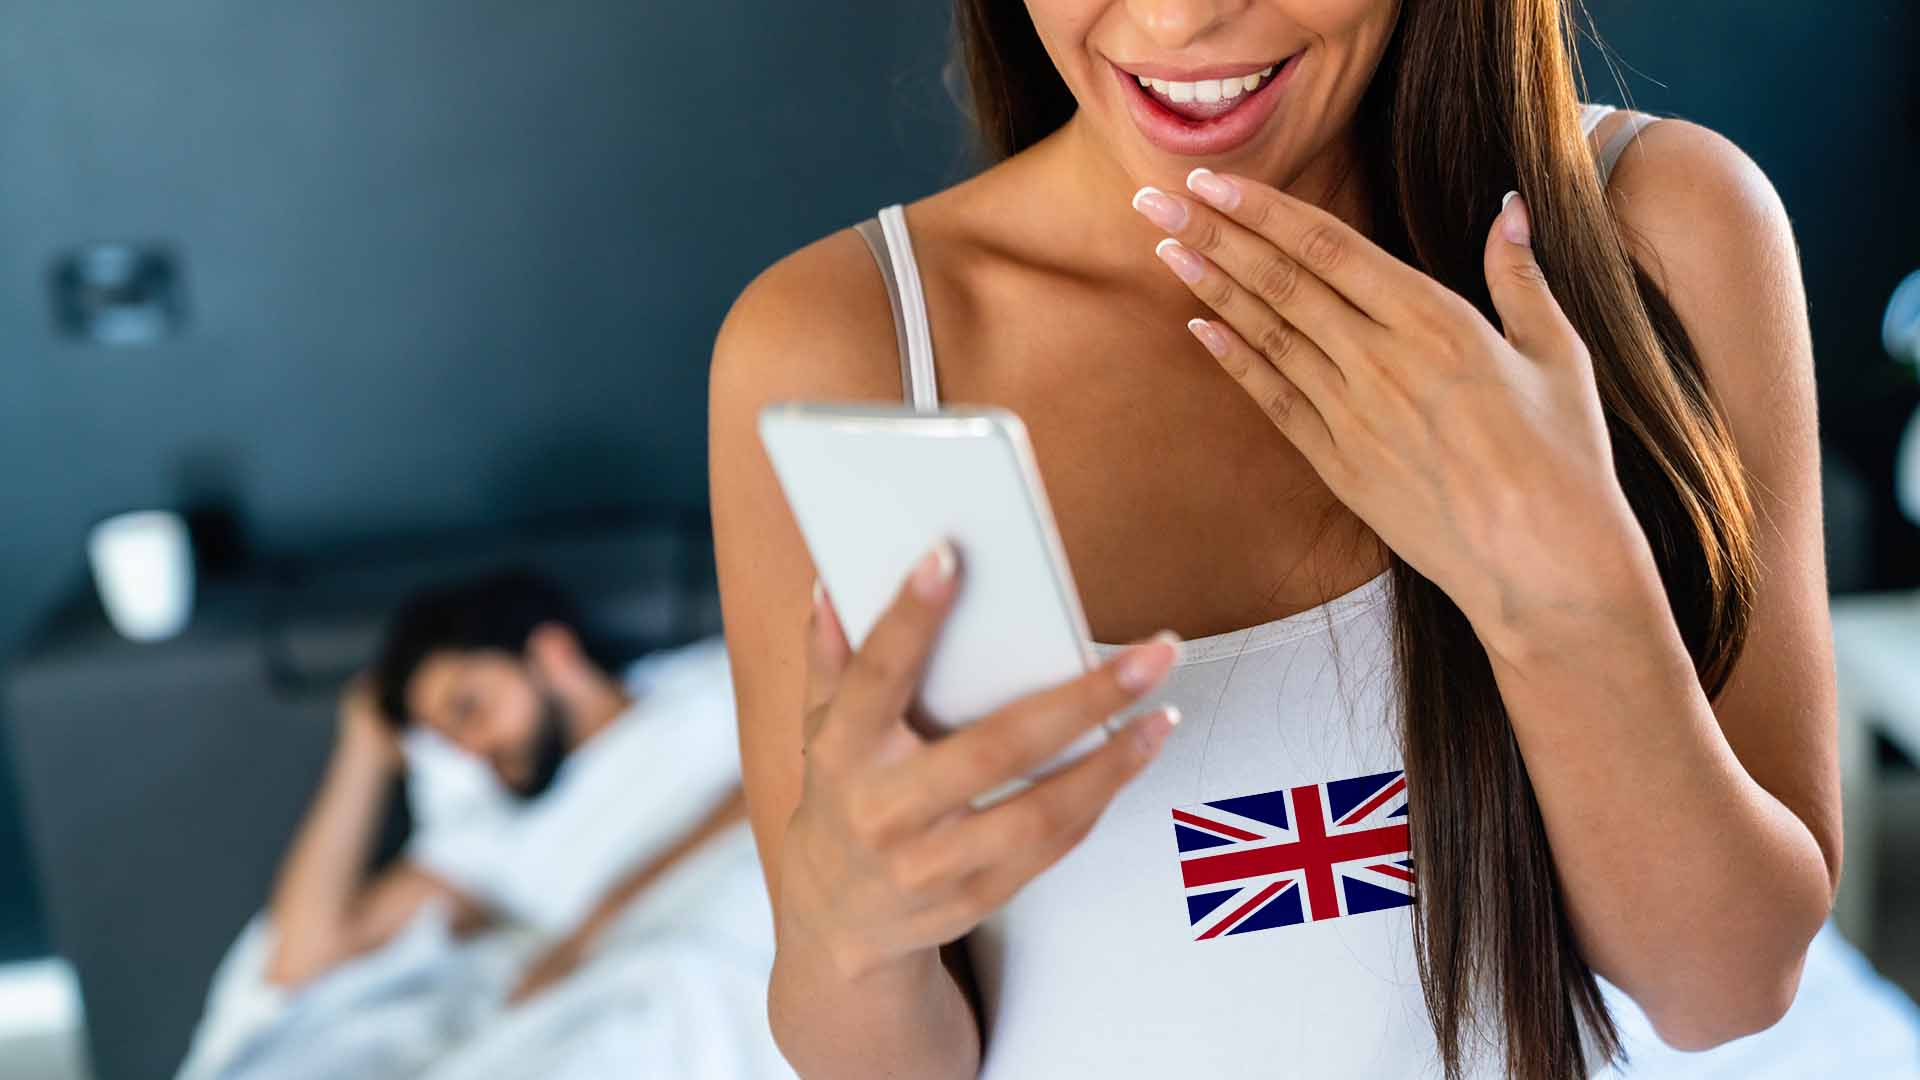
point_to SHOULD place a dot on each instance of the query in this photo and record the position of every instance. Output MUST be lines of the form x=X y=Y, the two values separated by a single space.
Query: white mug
x=143 y=566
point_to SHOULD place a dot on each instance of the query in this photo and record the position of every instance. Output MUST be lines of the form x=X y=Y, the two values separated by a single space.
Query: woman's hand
x=884 y=856
x=1481 y=458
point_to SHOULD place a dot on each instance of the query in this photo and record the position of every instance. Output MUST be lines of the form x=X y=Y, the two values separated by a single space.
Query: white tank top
x=1242 y=907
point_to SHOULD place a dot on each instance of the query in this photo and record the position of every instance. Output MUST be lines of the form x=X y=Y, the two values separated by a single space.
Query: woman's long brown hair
x=1473 y=98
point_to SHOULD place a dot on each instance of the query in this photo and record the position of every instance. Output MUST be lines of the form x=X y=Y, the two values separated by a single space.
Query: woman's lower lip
x=1178 y=135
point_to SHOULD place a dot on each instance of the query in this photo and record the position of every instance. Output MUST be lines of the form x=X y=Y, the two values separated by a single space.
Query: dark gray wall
x=447 y=262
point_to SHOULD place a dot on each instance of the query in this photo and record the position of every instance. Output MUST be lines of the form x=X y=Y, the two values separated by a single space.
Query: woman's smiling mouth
x=1204 y=110
x=1204 y=99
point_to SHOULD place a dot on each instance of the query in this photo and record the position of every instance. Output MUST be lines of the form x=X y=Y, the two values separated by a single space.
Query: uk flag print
x=1300 y=854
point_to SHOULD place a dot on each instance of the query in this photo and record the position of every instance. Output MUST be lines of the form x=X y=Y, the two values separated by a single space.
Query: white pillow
x=620 y=799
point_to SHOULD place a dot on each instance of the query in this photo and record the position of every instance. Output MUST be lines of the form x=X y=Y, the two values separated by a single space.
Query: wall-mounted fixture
x=117 y=294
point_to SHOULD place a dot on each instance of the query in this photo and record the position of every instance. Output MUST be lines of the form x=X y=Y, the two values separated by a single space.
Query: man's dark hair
x=499 y=610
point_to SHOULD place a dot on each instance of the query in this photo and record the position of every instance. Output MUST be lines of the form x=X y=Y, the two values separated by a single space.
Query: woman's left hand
x=1480 y=458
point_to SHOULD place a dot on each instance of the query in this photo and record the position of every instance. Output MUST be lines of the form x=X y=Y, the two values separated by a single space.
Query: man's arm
x=567 y=953
x=323 y=909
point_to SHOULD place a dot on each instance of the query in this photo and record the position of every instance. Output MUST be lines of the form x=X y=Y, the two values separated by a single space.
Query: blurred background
x=369 y=291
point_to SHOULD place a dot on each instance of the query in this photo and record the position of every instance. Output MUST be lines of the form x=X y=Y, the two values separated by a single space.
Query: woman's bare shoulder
x=1695 y=207
x=1705 y=222
x=817 y=322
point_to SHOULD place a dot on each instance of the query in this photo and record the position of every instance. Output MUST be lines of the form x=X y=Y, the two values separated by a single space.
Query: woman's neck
x=1088 y=215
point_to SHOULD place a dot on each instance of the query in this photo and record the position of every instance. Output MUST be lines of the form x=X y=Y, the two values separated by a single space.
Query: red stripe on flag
x=1393 y=871
x=1219 y=827
x=1220 y=926
x=1313 y=835
x=1399 y=784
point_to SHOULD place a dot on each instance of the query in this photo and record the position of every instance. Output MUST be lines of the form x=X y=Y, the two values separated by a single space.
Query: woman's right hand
x=885 y=857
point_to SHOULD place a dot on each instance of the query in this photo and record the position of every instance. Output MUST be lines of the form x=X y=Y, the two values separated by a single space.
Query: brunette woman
x=1488 y=527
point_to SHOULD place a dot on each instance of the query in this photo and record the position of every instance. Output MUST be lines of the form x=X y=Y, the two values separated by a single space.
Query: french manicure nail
x=1217 y=190
x=1184 y=262
x=1159 y=208
x=930 y=574
x=1156 y=726
x=1209 y=336
x=1514 y=222
x=1146 y=663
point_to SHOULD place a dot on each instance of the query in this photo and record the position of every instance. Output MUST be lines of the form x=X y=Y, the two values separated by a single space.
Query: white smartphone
x=873 y=485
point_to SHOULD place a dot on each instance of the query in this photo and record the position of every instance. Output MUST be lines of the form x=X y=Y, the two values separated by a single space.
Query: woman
x=1466 y=530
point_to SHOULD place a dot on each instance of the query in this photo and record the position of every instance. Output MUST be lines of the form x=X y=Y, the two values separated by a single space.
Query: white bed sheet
x=675 y=988
x=1846 y=1021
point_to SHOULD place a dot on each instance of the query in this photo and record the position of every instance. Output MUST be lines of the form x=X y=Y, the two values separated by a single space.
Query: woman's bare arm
x=815 y=325
x=1699 y=842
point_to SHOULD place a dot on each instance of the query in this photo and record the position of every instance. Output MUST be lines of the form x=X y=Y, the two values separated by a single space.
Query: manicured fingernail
x=1155 y=726
x=1160 y=208
x=1145 y=663
x=1184 y=263
x=1514 y=222
x=818 y=592
x=1216 y=189
x=931 y=573
x=1209 y=335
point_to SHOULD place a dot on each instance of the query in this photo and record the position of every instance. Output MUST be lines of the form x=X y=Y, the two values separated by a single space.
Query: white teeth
x=1208 y=90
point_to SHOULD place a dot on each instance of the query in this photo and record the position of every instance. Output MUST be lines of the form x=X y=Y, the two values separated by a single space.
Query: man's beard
x=547 y=752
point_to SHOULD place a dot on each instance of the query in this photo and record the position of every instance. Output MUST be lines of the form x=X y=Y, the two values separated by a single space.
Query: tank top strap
x=1591 y=113
x=886 y=237
x=1617 y=144
x=875 y=236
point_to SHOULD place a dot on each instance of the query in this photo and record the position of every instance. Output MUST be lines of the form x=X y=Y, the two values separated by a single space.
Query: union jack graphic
x=1278 y=858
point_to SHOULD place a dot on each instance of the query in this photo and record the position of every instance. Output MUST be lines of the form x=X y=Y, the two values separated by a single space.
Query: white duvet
x=1845 y=1021
x=675 y=988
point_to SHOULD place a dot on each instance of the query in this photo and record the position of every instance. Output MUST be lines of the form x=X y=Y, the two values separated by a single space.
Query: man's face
x=490 y=705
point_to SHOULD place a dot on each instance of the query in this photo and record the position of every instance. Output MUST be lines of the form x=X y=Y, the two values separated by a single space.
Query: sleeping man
x=551 y=799
x=502 y=671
